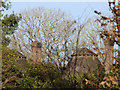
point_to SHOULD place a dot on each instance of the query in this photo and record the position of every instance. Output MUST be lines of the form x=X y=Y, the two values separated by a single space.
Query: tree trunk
x=108 y=55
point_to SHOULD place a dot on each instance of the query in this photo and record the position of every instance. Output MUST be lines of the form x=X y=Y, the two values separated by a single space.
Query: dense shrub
x=46 y=75
x=78 y=81
x=9 y=69
x=38 y=76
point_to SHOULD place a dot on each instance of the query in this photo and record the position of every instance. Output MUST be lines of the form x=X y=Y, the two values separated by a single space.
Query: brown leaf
x=103 y=24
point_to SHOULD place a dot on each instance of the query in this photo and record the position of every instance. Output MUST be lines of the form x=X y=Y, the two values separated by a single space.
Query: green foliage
x=9 y=67
x=78 y=81
x=8 y=53
x=9 y=25
x=9 y=22
x=38 y=76
x=33 y=76
x=4 y=5
x=96 y=76
x=46 y=75
x=42 y=75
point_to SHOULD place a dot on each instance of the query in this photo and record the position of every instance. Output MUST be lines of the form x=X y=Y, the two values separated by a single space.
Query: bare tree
x=53 y=28
x=91 y=36
x=110 y=35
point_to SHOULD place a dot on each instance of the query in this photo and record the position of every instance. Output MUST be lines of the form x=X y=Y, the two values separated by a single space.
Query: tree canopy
x=9 y=22
x=53 y=28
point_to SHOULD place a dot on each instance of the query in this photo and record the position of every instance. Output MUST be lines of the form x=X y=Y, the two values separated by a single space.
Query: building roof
x=85 y=51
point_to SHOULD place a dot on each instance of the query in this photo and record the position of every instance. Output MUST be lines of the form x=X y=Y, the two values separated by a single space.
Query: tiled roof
x=84 y=51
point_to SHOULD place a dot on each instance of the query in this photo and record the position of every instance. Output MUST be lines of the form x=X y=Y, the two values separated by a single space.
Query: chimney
x=36 y=51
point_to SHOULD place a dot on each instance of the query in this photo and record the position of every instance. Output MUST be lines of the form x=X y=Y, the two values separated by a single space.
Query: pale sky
x=58 y=0
x=75 y=9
